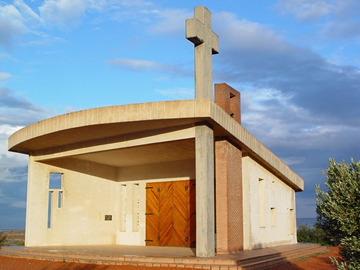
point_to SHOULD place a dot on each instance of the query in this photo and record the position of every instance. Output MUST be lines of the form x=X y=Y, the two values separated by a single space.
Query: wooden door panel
x=152 y=214
x=180 y=213
x=166 y=219
x=171 y=214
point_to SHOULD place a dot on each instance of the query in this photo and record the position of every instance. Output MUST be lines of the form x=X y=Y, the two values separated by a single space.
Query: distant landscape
x=306 y=221
x=17 y=237
x=14 y=237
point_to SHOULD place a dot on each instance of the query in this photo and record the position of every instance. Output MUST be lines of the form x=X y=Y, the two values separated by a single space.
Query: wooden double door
x=170 y=214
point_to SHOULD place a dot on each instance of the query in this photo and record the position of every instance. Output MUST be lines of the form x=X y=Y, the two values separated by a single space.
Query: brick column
x=229 y=199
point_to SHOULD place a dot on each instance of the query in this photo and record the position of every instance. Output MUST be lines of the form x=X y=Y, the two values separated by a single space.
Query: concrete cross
x=198 y=31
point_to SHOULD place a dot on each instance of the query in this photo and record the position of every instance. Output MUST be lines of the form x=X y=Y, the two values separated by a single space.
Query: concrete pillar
x=37 y=204
x=205 y=212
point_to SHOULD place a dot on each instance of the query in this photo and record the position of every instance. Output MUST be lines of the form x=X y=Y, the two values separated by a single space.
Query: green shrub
x=3 y=238
x=305 y=234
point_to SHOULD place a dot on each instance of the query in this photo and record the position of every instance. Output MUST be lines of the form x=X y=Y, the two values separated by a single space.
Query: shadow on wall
x=184 y=169
x=85 y=167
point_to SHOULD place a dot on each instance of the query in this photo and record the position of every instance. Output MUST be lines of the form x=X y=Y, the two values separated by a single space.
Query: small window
x=262 y=203
x=273 y=216
x=60 y=199
x=49 y=211
x=55 y=199
x=55 y=180
x=292 y=221
x=123 y=208
x=136 y=208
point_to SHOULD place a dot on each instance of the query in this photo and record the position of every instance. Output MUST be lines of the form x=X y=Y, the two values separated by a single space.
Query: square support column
x=229 y=198
x=205 y=212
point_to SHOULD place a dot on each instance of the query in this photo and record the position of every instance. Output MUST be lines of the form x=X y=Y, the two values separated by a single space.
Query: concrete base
x=166 y=256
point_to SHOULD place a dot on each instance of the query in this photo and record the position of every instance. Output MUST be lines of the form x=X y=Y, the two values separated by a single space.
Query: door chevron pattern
x=170 y=214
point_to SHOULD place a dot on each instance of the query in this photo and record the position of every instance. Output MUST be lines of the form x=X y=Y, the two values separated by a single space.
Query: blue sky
x=295 y=62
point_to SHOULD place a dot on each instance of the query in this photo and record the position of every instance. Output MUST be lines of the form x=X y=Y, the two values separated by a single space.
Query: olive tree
x=338 y=211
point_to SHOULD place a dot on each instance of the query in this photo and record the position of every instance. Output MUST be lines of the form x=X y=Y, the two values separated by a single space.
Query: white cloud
x=136 y=65
x=281 y=124
x=8 y=159
x=18 y=18
x=176 y=93
x=291 y=160
x=4 y=57
x=236 y=33
x=346 y=29
x=145 y=65
x=18 y=204
x=306 y=10
x=136 y=3
x=169 y=21
x=27 y=13
x=340 y=17
x=8 y=176
x=62 y=13
x=18 y=111
x=255 y=56
x=11 y=25
x=8 y=130
x=4 y=76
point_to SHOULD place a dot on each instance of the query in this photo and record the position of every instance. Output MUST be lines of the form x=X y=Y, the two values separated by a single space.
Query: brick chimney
x=229 y=100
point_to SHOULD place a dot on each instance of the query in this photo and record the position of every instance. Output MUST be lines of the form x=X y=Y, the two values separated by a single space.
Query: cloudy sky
x=296 y=63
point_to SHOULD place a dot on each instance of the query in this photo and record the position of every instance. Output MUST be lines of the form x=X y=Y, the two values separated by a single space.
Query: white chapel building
x=176 y=173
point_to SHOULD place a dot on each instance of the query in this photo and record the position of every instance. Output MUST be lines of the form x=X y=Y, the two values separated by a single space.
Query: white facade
x=269 y=208
x=89 y=192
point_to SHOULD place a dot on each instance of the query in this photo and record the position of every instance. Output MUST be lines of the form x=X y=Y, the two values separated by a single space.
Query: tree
x=338 y=211
x=306 y=234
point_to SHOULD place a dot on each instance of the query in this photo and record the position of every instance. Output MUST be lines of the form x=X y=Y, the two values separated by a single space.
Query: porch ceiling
x=109 y=124
x=147 y=154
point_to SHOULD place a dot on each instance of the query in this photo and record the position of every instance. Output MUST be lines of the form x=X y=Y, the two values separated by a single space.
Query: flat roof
x=113 y=121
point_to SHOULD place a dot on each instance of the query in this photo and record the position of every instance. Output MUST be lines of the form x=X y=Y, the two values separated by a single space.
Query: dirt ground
x=318 y=262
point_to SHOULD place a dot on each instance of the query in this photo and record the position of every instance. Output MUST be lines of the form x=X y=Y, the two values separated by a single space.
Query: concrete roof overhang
x=118 y=124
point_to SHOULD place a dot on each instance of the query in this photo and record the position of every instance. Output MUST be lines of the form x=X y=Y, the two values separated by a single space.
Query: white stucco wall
x=91 y=191
x=86 y=200
x=269 y=208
